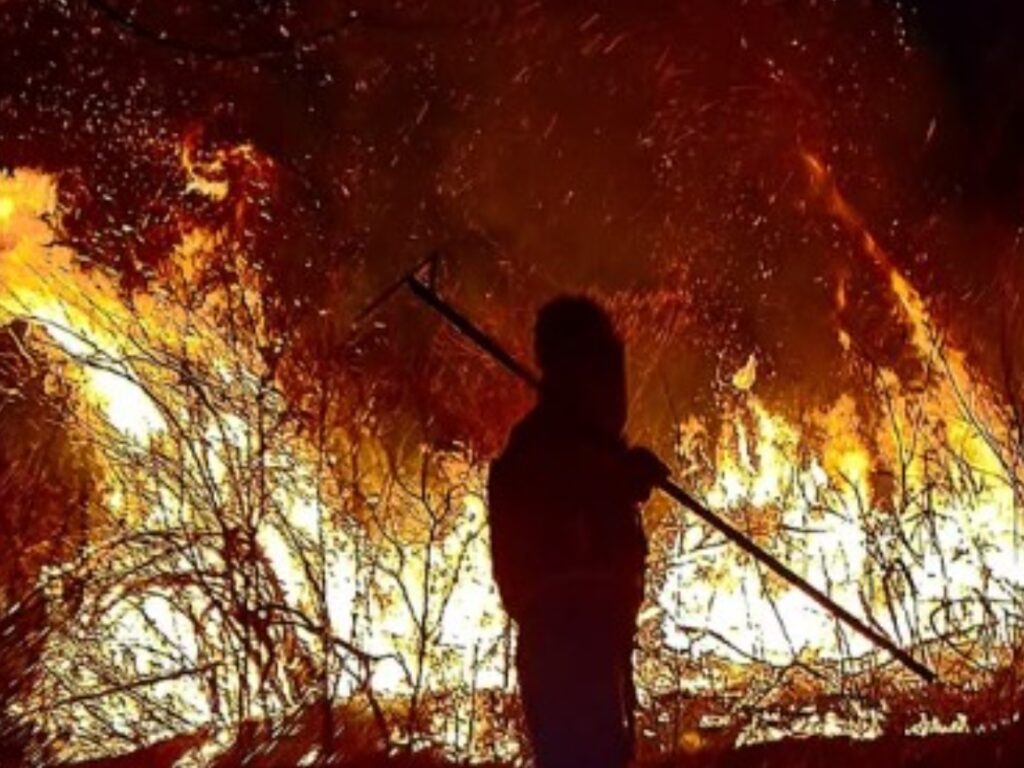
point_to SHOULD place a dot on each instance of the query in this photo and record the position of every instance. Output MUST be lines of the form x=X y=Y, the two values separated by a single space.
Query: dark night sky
x=981 y=62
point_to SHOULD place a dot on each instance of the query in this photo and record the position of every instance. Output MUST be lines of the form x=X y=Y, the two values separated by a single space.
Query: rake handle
x=465 y=326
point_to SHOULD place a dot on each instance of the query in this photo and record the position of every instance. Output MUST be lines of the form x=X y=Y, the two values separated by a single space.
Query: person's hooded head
x=582 y=363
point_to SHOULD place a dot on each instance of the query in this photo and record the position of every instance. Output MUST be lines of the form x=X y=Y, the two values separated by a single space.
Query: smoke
x=647 y=153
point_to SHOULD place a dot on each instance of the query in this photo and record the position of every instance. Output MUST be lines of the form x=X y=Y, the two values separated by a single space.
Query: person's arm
x=644 y=471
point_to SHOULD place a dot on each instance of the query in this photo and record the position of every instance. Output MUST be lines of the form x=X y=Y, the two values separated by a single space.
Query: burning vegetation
x=242 y=527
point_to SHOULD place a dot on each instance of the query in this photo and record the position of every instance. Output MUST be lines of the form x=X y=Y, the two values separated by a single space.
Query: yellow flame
x=910 y=300
x=745 y=377
x=40 y=281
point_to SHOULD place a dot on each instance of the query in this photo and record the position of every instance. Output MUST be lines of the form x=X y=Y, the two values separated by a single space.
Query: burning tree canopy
x=238 y=512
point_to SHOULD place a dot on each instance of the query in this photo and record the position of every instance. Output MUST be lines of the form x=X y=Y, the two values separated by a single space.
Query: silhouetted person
x=567 y=542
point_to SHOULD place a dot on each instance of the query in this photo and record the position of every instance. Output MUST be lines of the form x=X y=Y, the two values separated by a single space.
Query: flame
x=100 y=332
x=766 y=488
x=41 y=281
x=745 y=377
x=825 y=515
x=810 y=491
x=205 y=176
x=824 y=185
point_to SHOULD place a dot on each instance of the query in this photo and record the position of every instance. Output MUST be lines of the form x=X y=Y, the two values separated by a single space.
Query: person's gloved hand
x=645 y=471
